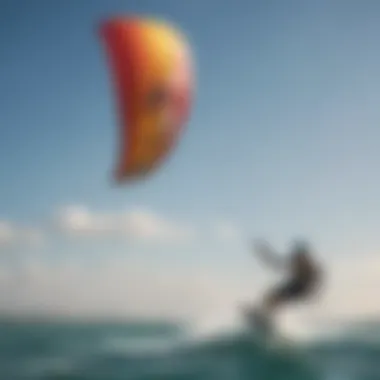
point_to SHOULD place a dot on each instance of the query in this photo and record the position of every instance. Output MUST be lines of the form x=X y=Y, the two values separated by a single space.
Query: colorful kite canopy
x=150 y=63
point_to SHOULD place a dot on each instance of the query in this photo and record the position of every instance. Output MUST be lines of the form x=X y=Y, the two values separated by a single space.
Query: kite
x=151 y=68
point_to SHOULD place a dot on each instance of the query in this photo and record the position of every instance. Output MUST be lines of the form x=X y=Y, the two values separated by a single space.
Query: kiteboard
x=257 y=323
x=263 y=330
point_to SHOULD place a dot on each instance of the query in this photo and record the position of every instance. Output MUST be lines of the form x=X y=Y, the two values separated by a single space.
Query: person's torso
x=305 y=272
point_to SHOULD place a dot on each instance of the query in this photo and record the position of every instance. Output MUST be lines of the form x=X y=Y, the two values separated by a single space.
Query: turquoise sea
x=149 y=351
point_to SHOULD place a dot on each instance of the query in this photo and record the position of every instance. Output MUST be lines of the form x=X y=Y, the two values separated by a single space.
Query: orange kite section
x=151 y=68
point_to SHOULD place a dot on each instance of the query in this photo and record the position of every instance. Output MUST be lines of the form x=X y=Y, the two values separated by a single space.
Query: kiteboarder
x=303 y=279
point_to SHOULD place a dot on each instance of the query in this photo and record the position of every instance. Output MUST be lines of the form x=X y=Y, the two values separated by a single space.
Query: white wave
x=140 y=346
x=213 y=326
x=299 y=327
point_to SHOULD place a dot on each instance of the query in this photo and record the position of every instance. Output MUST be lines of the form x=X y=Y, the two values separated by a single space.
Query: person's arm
x=268 y=256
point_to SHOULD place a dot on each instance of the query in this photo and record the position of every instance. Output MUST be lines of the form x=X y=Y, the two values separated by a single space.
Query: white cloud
x=124 y=288
x=119 y=289
x=353 y=285
x=138 y=223
x=6 y=233
x=11 y=234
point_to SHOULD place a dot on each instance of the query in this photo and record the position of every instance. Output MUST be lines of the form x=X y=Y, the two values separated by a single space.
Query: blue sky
x=282 y=141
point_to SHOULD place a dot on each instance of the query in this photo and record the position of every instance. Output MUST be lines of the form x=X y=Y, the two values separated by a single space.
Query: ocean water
x=151 y=351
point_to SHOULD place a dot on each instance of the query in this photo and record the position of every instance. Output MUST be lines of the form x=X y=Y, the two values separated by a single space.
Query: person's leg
x=281 y=295
x=272 y=300
x=263 y=314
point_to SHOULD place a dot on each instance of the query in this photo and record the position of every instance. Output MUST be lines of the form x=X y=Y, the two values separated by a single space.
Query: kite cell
x=151 y=68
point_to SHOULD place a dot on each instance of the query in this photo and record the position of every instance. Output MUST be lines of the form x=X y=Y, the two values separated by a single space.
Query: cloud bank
x=11 y=234
x=125 y=288
x=79 y=221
